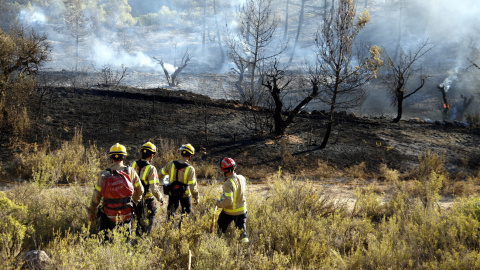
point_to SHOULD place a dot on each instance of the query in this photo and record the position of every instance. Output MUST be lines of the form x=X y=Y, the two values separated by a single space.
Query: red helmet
x=227 y=164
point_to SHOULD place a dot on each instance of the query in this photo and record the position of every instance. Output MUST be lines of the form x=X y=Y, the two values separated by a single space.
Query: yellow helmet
x=150 y=147
x=187 y=148
x=117 y=149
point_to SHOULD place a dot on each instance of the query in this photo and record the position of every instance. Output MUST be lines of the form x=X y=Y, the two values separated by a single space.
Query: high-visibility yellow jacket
x=97 y=196
x=186 y=175
x=149 y=176
x=233 y=199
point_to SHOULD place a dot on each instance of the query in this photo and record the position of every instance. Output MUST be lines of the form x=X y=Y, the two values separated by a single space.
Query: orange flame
x=446 y=106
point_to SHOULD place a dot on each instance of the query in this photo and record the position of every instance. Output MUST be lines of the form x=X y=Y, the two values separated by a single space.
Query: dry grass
x=388 y=175
x=324 y=171
x=357 y=171
x=292 y=223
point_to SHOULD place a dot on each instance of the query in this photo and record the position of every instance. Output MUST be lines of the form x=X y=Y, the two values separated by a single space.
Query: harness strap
x=143 y=177
x=118 y=200
x=125 y=206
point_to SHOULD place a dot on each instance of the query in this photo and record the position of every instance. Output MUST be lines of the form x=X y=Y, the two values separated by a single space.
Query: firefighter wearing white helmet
x=146 y=209
x=232 y=200
x=182 y=182
x=117 y=202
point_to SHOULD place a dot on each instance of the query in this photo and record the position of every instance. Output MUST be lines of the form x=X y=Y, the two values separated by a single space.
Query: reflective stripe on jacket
x=233 y=200
x=189 y=177
x=149 y=176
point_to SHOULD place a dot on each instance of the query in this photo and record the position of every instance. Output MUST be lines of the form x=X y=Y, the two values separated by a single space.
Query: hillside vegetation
x=292 y=223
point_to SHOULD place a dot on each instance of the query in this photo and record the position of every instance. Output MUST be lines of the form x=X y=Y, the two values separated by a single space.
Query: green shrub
x=367 y=203
x=208 y=170
x=13 y=229
x=52 y=210
x=388 y=175
x=430 y=162
x=167 y=150
x=324 y=170
x=428 y=189
x=357 y=171
x=22 y=53
x=71 y=163
x=293 y=225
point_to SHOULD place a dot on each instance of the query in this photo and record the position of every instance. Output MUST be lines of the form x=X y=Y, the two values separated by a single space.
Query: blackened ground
x=217 y=128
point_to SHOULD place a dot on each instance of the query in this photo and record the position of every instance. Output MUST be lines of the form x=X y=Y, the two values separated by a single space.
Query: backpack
x=117 y=192
x=141 y=164
x=177 y=188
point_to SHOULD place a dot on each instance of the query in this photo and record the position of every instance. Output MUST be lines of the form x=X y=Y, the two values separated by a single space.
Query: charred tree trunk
x=220 y=47
x=273 y=84
x=172 y=79
x=466 y=103
x=280 y=124
x=446 y=105
x=300 y=22
x=329 y=129
x=286 y=21
x=399 y=108
x=400 y=95
x=331 y=118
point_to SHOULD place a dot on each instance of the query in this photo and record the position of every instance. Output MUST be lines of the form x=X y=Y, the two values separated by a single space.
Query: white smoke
x=169 y=67
x=104 y=54
x=34 y=15
x=447 y=82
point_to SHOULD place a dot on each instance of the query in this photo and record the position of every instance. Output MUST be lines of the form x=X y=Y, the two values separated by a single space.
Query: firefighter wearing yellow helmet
x=117 y=202
x=181 y=185
x=146 y=209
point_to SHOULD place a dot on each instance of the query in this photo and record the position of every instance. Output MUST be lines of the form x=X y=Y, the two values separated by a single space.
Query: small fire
x=446 y=106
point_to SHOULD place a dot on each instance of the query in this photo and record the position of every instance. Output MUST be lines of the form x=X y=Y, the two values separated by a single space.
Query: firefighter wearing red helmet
x=232 y=200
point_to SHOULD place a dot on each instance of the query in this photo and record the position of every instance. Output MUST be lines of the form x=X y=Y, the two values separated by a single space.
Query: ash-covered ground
x=219 y=127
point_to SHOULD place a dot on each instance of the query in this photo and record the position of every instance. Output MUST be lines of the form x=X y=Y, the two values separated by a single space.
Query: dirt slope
x=216 y=128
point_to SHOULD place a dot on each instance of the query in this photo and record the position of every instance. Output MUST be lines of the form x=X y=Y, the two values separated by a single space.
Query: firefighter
x=117 y=202
x=146 y=209
x=182 y=182
x=232 y=200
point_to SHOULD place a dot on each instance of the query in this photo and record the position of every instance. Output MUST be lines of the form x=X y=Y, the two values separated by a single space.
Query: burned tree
x=167 y=69
x=111 y=77
x=248 y=48
x=277 y=82
x=341 y=72
x=300 y=23
x=399 y=72
x=443 y=87
x=465 y=104
x=77 y=24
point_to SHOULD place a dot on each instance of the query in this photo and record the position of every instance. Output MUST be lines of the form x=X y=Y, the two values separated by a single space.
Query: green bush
x=52 y=210
x=430 y=162
x=13 y=229
x=367 y=204
x=71 y=163
x=292 y=225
